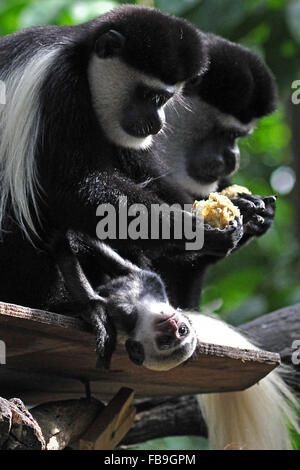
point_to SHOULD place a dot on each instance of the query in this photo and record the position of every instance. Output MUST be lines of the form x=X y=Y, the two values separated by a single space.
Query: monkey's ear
x=135 y=351
x=109 y=44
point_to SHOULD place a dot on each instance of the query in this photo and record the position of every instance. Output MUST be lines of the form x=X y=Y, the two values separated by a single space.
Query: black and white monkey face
x=204 y=147
x=213 y=152
x=129 y=104
x=140 y=60
x=200 y=142
x=163 y=337
x=156 y=335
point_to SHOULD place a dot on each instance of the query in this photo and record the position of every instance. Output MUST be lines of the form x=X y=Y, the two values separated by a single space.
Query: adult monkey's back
x=83 y=103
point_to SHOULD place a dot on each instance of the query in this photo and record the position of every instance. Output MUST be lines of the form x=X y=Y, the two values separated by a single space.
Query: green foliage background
x=264 y=275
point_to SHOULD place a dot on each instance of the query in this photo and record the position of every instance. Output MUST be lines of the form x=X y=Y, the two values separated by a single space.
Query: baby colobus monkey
x=200 y=147
x=131 y=308
x=159 y=337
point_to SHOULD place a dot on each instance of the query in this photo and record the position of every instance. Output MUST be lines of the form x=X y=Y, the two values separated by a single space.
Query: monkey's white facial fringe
x=254 y=419
x=149 y=312
x=112 y=83
x=19 y=129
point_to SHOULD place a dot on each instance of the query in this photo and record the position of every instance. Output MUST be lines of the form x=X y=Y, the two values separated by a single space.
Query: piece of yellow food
x=218 y=211
x=235 y=190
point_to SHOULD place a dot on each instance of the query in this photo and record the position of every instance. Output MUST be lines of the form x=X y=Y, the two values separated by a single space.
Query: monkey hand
x=258 y=214
x=106 y=336
x=220 y=243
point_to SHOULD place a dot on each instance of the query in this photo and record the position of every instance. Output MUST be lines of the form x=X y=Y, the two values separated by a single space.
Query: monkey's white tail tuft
x=254 y=419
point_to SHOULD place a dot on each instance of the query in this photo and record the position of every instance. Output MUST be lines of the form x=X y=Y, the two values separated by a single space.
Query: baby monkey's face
x=163 y=337
x=156 y=335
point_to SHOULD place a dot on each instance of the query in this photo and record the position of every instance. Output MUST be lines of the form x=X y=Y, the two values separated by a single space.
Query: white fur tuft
x=111 y=81
x=255 y=419
x=197 y=188
x=19 y=128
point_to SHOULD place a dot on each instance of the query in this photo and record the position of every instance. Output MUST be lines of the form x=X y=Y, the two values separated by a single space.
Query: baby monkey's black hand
x=106 y=337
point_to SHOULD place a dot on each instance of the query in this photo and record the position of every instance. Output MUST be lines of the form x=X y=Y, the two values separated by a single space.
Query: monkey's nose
x=217 y=165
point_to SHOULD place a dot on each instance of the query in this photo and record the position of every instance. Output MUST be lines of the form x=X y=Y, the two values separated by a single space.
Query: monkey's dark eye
x=156 y=97
x=160 y=100
x=183 y=330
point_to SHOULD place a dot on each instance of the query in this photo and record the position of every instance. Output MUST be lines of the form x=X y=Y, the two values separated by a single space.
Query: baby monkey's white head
x=163 y=337
x=156 y=335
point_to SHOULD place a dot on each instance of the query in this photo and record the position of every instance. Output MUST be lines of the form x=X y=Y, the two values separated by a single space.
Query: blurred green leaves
x=293 y=19
x=36 y=13
x=218 y=16
x=83 y=11
x=176 y=7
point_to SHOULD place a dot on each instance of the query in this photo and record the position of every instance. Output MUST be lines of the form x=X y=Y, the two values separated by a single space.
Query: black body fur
x=238 y=83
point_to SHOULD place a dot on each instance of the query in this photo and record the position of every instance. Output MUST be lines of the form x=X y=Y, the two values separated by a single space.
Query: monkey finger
x=105 y=337
x=258 y=219
x=243 y=204
x=270 y=199
x=258 y=201
x=270 y=203
x=235 y=224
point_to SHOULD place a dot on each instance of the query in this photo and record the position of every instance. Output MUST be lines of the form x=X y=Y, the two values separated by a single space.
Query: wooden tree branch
x=60 y=423
x=276 y=331
x=63 y=423
x=18 y=429
x=166 y=417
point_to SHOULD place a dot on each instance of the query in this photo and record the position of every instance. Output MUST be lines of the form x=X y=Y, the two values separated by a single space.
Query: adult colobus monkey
x=82 y=106
x=201 y=150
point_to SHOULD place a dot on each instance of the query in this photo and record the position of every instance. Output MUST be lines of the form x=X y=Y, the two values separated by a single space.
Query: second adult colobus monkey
x=201 y=150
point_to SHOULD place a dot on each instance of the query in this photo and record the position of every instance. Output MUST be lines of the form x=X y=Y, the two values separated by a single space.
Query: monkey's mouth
x=142 y=129
x=207 y=178
x=202 y=177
